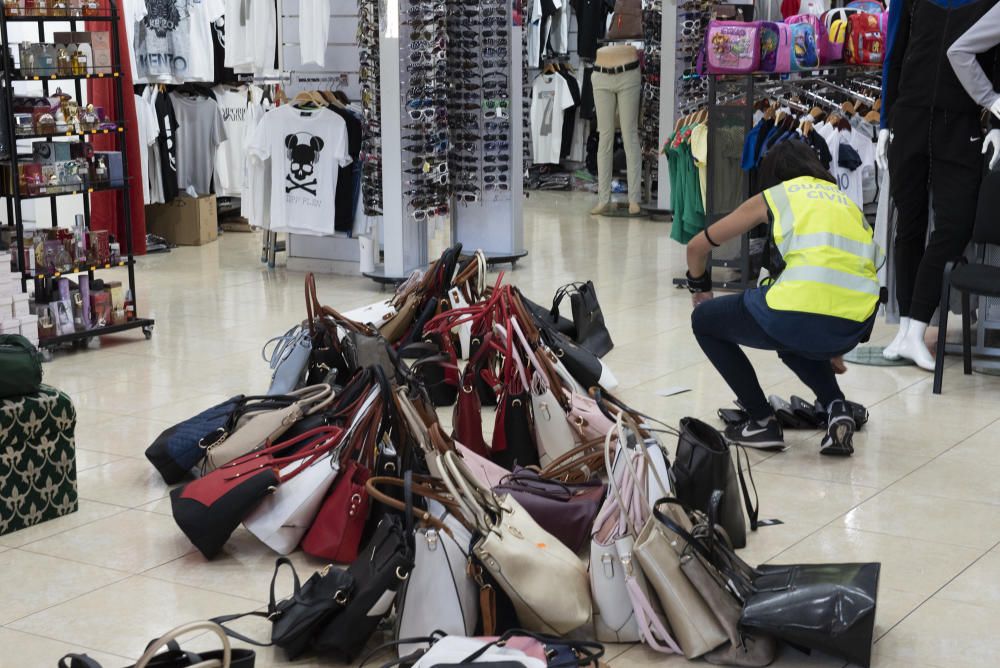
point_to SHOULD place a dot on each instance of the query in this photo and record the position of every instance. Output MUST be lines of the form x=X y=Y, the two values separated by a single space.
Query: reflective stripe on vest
x=830 y=256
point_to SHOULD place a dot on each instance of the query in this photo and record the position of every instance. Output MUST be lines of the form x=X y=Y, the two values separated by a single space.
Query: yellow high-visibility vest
x=831 y=258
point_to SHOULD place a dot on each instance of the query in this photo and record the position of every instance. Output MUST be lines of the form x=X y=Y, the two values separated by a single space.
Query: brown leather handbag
x=626 y=21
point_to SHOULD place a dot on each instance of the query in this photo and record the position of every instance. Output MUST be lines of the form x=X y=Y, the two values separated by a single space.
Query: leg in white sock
x=891 y=351
x=913 y=346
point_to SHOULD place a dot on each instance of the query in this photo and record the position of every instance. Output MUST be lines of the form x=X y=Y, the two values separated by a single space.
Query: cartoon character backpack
x=805 y=45
x=867 y=6
x=833 y=46
x=775 y=47
x=732 y=47
x=865 y=40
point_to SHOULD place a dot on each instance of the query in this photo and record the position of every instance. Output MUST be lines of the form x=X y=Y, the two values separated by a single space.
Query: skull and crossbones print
x=302 y=162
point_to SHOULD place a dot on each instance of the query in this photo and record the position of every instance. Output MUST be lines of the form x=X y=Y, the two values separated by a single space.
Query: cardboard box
x=19 y=308
x=184 y=221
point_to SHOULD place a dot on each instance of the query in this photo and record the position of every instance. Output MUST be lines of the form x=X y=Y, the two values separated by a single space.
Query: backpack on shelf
x=775 y=47
x=838 y=14
x=832 y=48
x=867 y=6
x=805 y=46
x=732 y=47
x=819 y=40
x=865 y=41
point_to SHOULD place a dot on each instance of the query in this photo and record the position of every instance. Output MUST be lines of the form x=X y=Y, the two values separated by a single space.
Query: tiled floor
x=921 y=494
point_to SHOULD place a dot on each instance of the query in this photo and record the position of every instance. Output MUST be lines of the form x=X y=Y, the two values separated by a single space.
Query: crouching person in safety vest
x=818 y=303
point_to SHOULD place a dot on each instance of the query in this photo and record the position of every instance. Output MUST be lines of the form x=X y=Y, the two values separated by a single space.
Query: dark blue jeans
x=723 y=324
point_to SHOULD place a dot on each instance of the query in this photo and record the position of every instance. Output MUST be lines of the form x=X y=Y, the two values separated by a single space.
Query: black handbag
x=582 y=364
x=704 y=464
x=589 y=328
x=380 y=569
x=828 y=607
x=296 y=620
x=175 y=656
x=550 y=316
x=513 y=436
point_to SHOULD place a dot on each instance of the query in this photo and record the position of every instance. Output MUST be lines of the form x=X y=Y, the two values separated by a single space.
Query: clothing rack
x=731 y=105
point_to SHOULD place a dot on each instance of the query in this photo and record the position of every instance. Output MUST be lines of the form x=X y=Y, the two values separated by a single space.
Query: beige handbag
x=257 y=429
x=696 y=628
x=546 y=582
x=171 y=637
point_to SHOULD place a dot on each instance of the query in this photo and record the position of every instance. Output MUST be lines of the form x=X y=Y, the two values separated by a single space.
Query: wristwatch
x=701 y=284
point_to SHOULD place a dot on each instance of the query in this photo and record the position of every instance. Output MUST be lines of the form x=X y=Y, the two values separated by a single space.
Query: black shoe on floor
x=840 y=429
x=752 y=435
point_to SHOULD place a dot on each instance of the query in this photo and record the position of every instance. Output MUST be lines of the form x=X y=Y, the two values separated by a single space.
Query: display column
x=494 y=222
x=668 y=101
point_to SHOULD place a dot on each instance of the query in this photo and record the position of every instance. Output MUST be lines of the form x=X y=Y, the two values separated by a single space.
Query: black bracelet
x=712 y=243
x=702 y=283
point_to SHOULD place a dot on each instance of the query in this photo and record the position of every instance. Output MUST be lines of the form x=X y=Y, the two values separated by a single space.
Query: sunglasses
x=423 y=214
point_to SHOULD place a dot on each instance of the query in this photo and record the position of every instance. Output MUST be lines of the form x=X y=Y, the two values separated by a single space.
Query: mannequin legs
x=616 y=98
x=950 y=164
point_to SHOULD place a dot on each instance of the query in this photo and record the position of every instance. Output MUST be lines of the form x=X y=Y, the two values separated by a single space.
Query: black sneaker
x=839 y=431
x=750 y=434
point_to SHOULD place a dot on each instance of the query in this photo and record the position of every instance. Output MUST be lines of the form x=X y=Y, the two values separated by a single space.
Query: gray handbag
x=288 y=360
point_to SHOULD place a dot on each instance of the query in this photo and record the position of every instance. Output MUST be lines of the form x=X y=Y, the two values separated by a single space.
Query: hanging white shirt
x=234 y=104
x=133 y=11
x=307 y=149
x=550 y=97
x=314 y=30
x=149 y=131
x=202 y=61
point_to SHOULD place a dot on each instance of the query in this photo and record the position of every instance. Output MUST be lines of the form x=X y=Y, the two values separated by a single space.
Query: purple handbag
x=566 y=511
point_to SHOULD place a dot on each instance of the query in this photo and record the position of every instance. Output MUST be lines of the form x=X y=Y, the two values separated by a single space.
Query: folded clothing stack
x=14 y=315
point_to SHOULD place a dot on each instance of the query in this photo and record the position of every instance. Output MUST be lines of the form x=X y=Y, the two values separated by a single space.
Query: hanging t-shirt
x=163 y=41
x=234 y=104
x=344 y=218
x=203 y=14
x=199 y=134
x=167 y=144
x=591 y=19
x=550 y=96
x=306 y=148
x=133 y=11
x=314 y=28
x=149 y=131
x=222 y=74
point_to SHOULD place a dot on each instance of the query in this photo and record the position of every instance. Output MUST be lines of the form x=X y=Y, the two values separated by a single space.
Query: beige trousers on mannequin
x=617 y=96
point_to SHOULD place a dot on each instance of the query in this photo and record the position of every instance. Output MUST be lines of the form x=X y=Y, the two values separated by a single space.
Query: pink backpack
x=775 y=47
x=732 y=47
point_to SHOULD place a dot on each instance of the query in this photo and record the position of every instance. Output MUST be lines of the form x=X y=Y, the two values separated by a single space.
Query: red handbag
x=335 y=533
x=210 y=508
x=467 y=418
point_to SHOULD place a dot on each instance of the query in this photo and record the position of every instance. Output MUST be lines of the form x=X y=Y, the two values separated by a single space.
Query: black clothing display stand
x=12 y=190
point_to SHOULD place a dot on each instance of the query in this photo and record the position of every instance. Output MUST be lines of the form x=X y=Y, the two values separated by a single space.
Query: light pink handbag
x=624 y=608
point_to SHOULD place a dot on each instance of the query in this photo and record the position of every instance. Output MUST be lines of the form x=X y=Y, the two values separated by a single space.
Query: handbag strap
x=78 y=661
x=423 y=516
x=284 y=345
x=578 y=465
x=272 y=605
x=651 y=627
x=157 y=644
x=753 y=508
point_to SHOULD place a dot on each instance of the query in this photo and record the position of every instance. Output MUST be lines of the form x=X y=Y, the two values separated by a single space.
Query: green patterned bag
x=37 y=459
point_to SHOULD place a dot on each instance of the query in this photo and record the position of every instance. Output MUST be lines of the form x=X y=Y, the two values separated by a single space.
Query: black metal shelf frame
x=15 y=199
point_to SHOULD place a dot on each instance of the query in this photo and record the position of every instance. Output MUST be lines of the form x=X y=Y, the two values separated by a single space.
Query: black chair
x=971 y=278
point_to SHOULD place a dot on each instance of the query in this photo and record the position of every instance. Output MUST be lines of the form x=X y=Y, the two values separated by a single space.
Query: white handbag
x=452 y=650
x=374 y=314
x=552 y=431
x=463 y=330
x=439 y=582
x=256 y=430
x=544 y=579
x=282 y=518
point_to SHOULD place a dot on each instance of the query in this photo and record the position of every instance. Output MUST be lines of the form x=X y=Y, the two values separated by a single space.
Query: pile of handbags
x=854 y=34
x=569 y=519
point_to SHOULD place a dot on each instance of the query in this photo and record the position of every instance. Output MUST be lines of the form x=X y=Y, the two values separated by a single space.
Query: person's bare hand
x=700 y=298
x=838 y=364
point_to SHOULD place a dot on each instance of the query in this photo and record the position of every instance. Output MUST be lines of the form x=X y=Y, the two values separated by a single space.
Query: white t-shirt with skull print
x=306 y=149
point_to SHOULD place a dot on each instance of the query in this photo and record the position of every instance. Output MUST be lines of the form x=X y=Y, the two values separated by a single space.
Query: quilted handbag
x=178 y=449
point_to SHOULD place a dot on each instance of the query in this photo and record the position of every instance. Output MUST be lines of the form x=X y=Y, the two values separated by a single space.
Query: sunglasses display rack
x=371 y=155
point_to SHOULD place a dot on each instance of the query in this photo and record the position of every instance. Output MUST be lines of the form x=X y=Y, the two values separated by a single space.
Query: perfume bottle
x=79 y=65
x=64 y=63
x=89 y=119
x=13 y=8
x=91 y=8
x=59 y=8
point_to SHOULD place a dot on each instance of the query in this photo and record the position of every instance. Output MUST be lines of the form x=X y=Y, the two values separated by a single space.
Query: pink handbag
x=775 y=47
x=732 y=47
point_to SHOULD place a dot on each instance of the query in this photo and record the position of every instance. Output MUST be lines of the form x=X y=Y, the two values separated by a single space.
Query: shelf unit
x=14 y=200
